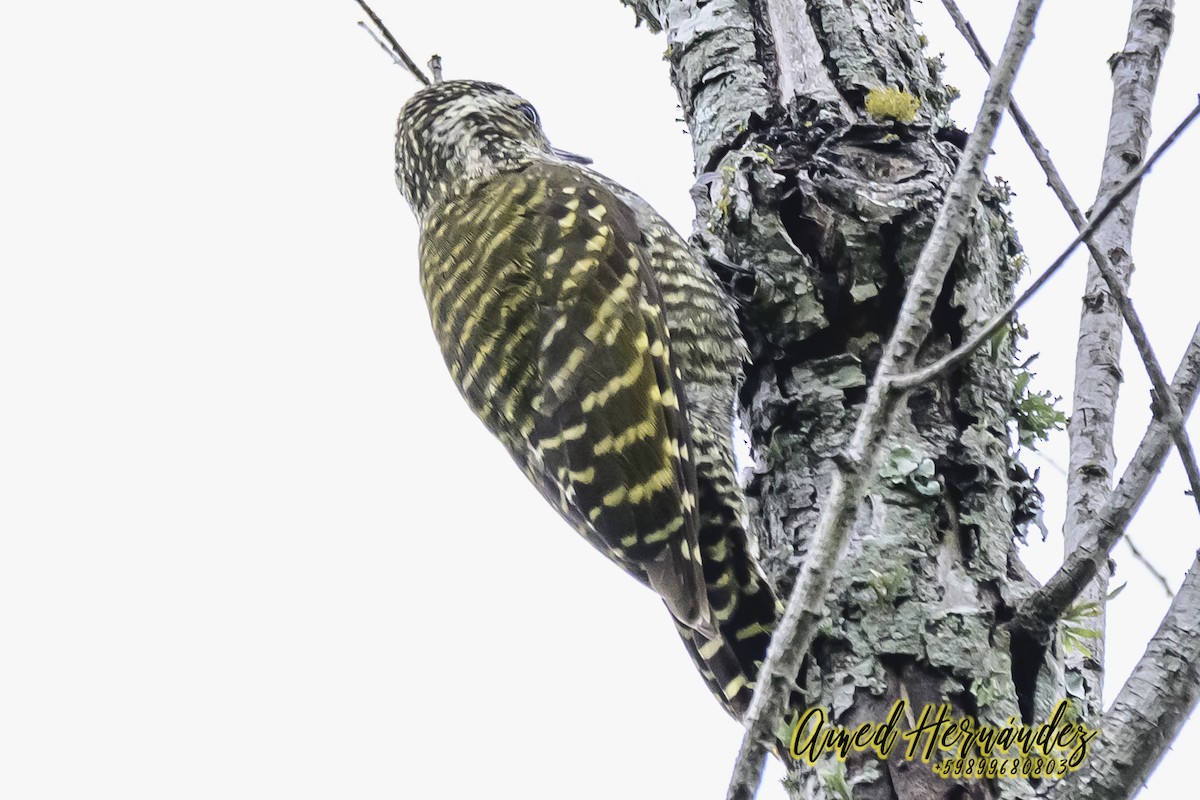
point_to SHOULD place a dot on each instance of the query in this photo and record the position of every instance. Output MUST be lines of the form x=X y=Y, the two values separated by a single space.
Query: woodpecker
x=583 y=332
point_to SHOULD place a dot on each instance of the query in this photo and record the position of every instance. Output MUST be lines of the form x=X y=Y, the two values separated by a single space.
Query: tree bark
x=1098 y=353
x=827 y=208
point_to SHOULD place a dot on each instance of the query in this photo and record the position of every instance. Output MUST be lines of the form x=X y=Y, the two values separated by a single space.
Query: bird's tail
x=722 y=664
x=743 y=603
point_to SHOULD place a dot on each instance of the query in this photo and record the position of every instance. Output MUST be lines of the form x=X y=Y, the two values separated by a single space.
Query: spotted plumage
x=585 y=335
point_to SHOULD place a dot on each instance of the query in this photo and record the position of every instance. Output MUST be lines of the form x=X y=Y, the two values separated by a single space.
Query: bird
x=600 y=351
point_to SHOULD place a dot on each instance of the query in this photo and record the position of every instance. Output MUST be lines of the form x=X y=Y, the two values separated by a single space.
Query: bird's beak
x=568 y=156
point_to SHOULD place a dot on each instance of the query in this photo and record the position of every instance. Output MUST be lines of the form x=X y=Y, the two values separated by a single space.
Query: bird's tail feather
x=744 y=606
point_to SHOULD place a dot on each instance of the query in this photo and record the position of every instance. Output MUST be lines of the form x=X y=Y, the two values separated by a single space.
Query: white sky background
x=253 y=544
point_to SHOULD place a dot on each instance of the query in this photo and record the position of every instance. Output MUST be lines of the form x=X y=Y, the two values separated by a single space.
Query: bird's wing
x=605 y=434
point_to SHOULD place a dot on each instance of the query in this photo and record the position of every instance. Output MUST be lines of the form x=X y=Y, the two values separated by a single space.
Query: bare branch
x=1150 y=708
x=806 y=604
x=392 y=47
x=1093 y=461
x=1053 y=178
x=1096 y=383
x=382 y=44
x=1140 y=557
x=1105 y=267
x=1041 y=610
x=960 y=354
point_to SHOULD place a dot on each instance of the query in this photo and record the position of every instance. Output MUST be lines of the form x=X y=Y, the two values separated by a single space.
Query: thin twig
x=806 y=604
x=382 y=44
x=1053 y=178
x=957 y=356
x=394 y=50
x=1042 y=609
x=1140 y=557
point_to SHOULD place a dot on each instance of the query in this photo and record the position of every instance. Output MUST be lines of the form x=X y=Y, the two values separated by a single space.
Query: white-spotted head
x=455 y=132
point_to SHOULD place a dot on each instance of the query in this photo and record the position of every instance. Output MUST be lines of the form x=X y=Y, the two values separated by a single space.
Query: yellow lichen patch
x=889 y=103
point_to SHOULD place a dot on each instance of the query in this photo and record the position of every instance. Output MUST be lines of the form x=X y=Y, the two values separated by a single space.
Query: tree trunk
x=822 y=208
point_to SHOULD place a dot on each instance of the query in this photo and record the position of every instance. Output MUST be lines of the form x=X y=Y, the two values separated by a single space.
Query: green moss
x=889 y=103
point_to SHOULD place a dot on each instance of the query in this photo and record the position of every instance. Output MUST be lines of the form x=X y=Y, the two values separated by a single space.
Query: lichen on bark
x=825 y=209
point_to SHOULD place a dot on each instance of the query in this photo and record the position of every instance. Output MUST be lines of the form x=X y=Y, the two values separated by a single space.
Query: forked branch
x=392 y=47
x=1149 y=710
x=1043 y=608
x=1116 y=286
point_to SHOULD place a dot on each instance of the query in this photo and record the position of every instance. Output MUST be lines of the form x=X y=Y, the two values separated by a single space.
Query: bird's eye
x=530 y=113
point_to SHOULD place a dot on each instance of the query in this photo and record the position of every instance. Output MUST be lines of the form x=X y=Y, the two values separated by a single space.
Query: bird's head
x=456 y=132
